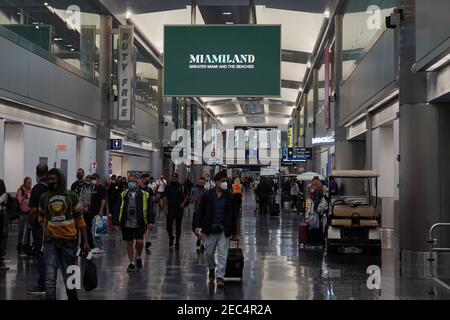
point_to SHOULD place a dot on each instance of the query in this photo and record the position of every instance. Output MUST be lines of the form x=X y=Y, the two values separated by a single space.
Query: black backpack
x=12 y=208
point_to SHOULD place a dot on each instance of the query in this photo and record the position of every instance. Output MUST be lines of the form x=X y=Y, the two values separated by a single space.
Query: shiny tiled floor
x=275 y=268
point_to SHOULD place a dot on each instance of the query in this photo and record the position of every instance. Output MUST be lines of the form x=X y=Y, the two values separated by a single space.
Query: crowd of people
x=57 y=223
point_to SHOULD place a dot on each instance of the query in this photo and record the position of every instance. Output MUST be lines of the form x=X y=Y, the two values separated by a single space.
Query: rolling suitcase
x=235 y=263
x=303 y=233
x=274 y=209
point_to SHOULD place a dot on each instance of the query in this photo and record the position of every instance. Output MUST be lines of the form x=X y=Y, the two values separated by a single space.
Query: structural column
x=423 y=135
x=103 y=131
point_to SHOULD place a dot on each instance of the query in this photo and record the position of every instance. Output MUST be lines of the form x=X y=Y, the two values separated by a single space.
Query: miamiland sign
x=222 y=60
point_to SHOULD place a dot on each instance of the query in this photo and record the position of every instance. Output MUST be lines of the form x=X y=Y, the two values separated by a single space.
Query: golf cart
x=351 y=223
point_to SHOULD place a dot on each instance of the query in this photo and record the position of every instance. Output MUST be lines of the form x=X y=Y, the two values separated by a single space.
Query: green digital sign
x=222 y=61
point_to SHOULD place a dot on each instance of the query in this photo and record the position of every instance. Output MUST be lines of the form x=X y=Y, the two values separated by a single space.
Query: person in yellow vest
x=135 y=216
x=237 y=194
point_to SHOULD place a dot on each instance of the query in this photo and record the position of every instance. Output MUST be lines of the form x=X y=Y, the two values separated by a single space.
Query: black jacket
x=205 y=215
x=143 y=218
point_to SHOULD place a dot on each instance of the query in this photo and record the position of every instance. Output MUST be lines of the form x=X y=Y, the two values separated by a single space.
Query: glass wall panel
x=363 y=23
x=67 y=30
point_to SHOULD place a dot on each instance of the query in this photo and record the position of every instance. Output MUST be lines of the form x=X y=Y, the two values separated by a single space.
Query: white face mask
x=224 y=186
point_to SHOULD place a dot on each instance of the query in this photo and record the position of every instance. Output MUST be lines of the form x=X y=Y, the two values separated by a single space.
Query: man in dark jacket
x=216 y=221
x=175 y=200
x=135 y=216
x=264 y=191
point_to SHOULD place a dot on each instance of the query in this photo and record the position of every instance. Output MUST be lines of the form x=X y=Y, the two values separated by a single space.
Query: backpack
x=12 y=207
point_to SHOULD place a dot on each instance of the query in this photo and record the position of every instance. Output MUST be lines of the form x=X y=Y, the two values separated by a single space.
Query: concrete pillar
x=424 y=132
x=103 y=132
x=2 y=149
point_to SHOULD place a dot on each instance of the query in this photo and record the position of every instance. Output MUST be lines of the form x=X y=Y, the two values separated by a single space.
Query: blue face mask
x=132 y=185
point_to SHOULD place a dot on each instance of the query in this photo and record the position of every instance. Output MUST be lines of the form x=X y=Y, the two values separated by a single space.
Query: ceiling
x=300 y=20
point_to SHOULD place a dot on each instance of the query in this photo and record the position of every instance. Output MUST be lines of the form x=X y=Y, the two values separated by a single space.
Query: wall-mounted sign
x=323 y=140
x=290 y=136
x=222 y=60
x=61 y=148
x=115 y=144
x=126 y=76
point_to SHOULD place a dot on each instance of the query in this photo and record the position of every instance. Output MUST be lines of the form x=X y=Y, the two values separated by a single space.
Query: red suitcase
x=303 y=233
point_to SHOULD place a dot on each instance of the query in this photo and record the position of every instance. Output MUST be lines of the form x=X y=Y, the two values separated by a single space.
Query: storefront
x=28 y=138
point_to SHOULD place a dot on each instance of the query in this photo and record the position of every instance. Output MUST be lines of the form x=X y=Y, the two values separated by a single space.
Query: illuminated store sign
x=323 y=140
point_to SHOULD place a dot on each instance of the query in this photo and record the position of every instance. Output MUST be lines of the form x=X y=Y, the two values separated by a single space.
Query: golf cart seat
x=354 y=216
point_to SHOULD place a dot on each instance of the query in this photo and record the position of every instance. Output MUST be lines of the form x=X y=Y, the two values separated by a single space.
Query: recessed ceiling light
x=69 y=46
x=227 y=13
x=229 y=22
x=327 y=13
x=72 y=49
x=308 y=65
x=37 y=27
x=45 y=3
x=58 y=39
x=128 y=14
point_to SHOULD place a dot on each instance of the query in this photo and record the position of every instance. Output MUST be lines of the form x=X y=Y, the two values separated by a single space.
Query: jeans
x=23 y=240
x=3 y=235
x=175 y=215
x=37 y=248
x=59 y=253
x=220 y=243
x=88 y=220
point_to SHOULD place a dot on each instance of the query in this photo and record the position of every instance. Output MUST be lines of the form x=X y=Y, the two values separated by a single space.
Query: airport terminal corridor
x=275 y=268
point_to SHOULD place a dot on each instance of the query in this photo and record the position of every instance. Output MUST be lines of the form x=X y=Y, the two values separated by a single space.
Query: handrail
x=432 y=243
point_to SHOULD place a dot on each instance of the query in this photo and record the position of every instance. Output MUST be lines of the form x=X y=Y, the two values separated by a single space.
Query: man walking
x=217 y=223
x=175 y=199
x=97 y=208
x=78 y=185
x=61 y=218
x=135 y=216
x=37 y=248
x=145 y=186
x=195 y=196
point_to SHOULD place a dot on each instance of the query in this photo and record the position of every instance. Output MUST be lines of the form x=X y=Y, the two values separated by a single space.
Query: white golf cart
x=352 y=224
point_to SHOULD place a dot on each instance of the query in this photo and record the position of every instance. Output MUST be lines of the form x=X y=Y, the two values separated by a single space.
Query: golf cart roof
x=355 y=174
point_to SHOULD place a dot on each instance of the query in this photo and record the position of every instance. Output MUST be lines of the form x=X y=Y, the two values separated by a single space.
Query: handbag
x=90 y=280
x=314 y=221
x=101 y=225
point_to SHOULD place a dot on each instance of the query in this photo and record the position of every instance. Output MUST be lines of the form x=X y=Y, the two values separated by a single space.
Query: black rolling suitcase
x=235 y=263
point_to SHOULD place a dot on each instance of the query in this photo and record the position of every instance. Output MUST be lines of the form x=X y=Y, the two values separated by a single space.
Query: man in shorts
x=135 y=216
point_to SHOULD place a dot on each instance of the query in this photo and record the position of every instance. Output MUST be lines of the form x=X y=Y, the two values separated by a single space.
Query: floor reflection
x=275 y=268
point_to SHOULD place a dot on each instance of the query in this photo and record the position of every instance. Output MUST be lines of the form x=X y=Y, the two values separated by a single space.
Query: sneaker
x=131 y=267
x=23 y=255
x=139 y=263
x=97 y=251
x=171 y=242
x=212 y=275
x=36 y=290
x=220 y=282
x=148 y=244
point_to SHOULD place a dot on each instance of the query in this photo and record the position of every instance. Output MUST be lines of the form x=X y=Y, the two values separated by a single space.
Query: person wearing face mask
x=174 y=198
x=61 y=219
x=135 y=216
x=85 y=204
x=40 y=188
x=97 y=208
x=195 y=197
x=145 y=185
x=78 y=185
x=114 y=190
x=216 y=221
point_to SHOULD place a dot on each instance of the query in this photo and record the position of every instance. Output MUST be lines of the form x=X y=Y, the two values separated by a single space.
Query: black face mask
x=146 y=183
x=52 y=186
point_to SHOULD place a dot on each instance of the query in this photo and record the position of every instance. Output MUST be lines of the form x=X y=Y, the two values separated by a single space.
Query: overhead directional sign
x=222 y=60
x=296 y=154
